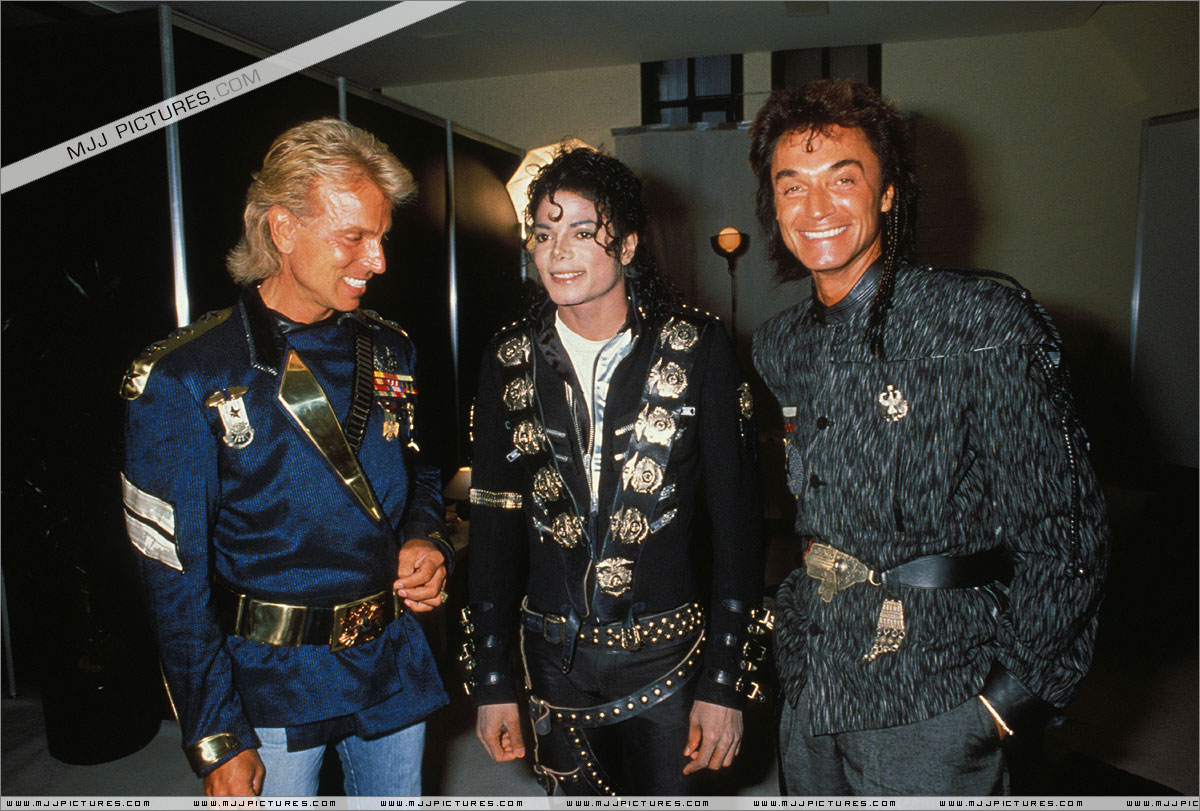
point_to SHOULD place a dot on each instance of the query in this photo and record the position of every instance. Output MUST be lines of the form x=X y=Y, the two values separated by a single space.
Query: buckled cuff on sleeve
x=748 y=683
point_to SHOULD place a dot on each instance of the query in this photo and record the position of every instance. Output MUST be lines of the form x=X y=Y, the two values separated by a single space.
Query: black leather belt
x=945 y=572
x=652 y=629
x=340 y=626
x=837 y=570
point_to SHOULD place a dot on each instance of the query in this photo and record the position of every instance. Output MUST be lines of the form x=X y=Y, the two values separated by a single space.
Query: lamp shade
x=729 y=239
x=459 y=487
x=535 y=159
x=729 y=243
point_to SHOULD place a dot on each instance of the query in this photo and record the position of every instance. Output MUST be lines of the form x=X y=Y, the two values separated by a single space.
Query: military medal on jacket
x=232 y=409
x=393 y=393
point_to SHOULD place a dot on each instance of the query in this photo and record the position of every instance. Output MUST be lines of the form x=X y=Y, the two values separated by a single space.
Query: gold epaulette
x=371 y=315
x=698 y=311
x=520 y=323
x=138 y=373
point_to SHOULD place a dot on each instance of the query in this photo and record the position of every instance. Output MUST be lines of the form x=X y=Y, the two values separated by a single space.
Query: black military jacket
x=711 y=469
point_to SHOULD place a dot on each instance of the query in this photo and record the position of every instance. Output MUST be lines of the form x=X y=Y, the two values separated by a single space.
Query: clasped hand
x=420 y=575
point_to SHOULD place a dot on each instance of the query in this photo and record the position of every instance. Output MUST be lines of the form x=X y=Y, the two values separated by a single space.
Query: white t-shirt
x=594 y=363
x=582 y=352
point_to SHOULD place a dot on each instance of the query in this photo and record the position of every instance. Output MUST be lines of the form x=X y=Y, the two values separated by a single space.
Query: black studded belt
x=341 y=626
x=545 y=714
x=653 y=629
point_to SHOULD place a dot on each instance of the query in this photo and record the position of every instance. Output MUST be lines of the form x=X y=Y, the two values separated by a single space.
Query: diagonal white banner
x=224 y=88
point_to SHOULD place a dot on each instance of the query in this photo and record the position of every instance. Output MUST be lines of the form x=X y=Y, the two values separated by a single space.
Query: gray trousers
x=956 y=753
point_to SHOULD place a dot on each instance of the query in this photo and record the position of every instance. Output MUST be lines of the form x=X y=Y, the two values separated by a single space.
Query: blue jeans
x=382 y=767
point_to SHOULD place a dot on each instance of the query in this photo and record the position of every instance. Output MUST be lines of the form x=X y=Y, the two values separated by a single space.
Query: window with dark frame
x=696 y=89
x=794 y=68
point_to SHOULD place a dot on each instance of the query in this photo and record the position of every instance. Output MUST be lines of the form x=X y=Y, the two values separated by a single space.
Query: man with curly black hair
x=606 y=417
x=955 y=531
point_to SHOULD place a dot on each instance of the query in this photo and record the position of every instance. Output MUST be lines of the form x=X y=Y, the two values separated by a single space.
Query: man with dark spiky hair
x=955 y=532
x=606 y=418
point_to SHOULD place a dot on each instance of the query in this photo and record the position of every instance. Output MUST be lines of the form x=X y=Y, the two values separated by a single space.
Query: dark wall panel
x=88 y=283
x=222 y=147
x=415 y=289
x=86 y=255
x=489 y=255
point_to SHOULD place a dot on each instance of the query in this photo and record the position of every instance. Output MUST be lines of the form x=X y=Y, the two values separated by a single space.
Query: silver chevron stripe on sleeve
x=150 y=522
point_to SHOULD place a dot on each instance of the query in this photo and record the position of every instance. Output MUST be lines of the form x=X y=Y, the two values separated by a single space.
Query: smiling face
x=328 y=256
x=586 y=283
x=828 y=203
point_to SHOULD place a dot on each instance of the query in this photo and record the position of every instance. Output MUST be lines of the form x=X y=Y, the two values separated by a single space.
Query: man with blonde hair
x=287 y=529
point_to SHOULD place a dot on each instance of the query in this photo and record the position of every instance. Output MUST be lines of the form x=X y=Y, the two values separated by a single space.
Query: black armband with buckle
x=439 y=539
x=467 y=657
x=754 y=653
x=734 y=655
x=479 y=650
x=206 y=753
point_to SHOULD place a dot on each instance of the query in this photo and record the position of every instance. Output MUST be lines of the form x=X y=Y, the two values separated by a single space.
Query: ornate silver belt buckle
x=835 y=569
x=356 y=622
x=631 y=639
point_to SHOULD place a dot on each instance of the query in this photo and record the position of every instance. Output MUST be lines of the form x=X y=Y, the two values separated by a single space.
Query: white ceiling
x=504 y=37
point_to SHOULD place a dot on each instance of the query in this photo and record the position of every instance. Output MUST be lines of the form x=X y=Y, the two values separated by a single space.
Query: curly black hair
x=814 y=108
x=617 y=194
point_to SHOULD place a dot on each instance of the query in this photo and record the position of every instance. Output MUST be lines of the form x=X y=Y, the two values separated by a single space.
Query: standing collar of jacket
x=266 y=328
x=852 y=303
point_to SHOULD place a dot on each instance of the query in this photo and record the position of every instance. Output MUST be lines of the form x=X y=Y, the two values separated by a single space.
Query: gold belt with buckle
x=341 y=626
x=836 y=570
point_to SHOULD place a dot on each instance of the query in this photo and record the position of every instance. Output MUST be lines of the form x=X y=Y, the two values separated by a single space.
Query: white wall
x=532 y=110
x=1029 y=142
x=535 y=109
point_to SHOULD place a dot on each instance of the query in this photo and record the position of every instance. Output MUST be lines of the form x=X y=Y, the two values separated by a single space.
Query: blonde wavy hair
x=328 y=149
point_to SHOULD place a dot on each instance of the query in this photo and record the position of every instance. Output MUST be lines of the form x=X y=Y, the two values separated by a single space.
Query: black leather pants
x=640 y=755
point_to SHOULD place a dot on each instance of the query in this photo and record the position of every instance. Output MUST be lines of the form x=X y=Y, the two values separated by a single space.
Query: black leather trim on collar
x=546 y=337
x=262 y=333
x=265 y=329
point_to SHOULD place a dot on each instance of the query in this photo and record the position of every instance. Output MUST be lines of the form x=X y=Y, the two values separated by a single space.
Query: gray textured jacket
x=988 y=453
